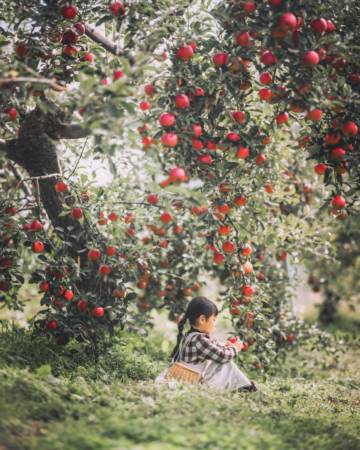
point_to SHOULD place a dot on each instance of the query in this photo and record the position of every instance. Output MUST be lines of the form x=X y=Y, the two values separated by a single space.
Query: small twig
x=78 y=161
x=21 y=182
x=43 y=177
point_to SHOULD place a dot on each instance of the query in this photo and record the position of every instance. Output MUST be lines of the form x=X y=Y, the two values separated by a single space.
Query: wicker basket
x=180 y=372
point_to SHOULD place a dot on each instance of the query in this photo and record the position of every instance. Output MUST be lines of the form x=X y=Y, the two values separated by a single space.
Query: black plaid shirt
x=200 y=347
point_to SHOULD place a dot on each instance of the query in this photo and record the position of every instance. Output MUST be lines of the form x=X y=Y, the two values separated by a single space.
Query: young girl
x=197 y=351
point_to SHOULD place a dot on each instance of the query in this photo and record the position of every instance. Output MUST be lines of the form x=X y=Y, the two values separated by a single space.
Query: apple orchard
x=244 y=116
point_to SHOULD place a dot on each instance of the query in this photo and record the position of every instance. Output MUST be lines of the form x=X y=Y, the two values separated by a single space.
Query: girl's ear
x=202 y=318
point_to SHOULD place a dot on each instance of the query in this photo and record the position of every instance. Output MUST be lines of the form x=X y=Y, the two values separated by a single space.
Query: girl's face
x=206 y=325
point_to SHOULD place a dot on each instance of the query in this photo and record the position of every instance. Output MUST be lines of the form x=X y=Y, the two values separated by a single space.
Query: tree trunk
x=35 y=150
x=329 y=307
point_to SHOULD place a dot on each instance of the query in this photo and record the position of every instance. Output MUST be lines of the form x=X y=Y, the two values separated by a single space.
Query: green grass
x=313 y=402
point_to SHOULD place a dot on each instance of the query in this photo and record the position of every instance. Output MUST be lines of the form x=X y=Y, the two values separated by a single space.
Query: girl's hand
x=235 y=343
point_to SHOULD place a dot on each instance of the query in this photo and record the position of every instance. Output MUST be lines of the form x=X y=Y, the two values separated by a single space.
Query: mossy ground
x=311 y=402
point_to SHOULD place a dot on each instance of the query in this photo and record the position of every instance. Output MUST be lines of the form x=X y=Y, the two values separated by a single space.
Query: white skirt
x=226 y=376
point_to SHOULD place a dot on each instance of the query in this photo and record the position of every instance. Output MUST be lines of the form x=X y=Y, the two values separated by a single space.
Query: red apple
x=287 y=22
x=98 y=311
x=249 y=7
x=12 y=113
x=218 y=258
x=260 y=159
x=166 y=217
x=338 y=202
x=82 y=305
x=265 y=78
x=37 y=247
x=185 y=53
x=197 y=144
x=240 y=200
x=182 y=101
x=80 y=28
x=330 y=26
x=238 y=116
x=110 y=251
x=22 y=50
x=77 y=213
x=320 y=168
x=197 y=130
x=224 y=230
x=94 y=254
x=247 y=290
x=36 y=226
x=242 y=152
x=319 y=25
x=104 y=270
x=233 y=137
x=282 y=118
x=169 y=139
x=44 y=286
x=210 y=145
x=205 y=159
x=149 y=89
x=223 y=208
x=199 y=92
x=88 y=57
x=246 y=250
x=228 y=247
x=116 y=8
x=68 y=295
x=315 y=115
x=70 y=51
x=69 y=12
x=265 y=94
x=144 y=106
x=167 y=120
x=113 y=217
x=152 y=199
x=52 y=324
x=220 y=59
x=245 y=347
x=177 y=174
x=290 y=338
x=268 y=58
x=60 y=186
x=69 y=36
x=338 y=153
x=350 y=128
x=311 y=58
x=243 y=39
x=117 y=74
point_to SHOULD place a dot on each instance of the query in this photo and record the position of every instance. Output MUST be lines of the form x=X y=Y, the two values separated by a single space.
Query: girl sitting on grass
x=197 y=351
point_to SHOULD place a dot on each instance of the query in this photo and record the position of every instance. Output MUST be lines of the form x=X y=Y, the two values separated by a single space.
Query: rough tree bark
x=35 y=150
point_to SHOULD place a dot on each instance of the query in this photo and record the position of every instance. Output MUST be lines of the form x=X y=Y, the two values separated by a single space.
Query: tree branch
x=18 y=80
x=21 y=181
x=98 y=37
x=4 y=146
x=72 y=132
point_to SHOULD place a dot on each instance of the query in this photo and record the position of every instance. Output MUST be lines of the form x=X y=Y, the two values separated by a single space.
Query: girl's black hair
x=196 y=307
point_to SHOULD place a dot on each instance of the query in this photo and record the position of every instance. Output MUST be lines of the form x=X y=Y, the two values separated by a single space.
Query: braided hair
x=197 y=306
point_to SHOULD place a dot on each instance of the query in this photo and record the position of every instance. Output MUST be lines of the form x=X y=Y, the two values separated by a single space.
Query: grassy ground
x=312 y=403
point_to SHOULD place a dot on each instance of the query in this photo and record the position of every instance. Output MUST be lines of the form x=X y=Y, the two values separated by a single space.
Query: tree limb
x=21 y=181
x=18 y=80
x=72 y=132
x=94 y=34
x=4 y=146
